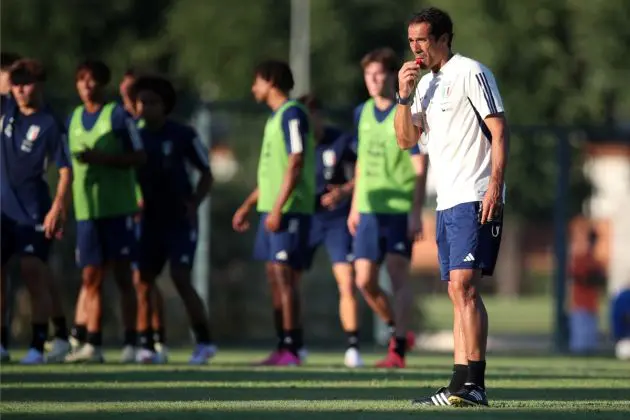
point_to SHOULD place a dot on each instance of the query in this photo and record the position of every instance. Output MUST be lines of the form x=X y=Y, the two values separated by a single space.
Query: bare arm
x=497 y=125
x=420 y=165
x=62 y=198
x=407 y=133
x=251 y=200
x=294 y=169
x=203 y=187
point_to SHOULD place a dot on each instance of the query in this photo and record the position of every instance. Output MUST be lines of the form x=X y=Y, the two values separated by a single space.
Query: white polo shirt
x=449 y=107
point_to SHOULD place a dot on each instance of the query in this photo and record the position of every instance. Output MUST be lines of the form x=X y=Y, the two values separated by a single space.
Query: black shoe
x=470 y=395
x=440 y=398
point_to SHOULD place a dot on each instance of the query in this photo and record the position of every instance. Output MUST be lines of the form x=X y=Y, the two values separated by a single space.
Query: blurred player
x=157 y=302
x=620 y=323
x=285 y=199
x=31 y=136
x=169 y=219
x=385 y=218
x=105 y=148
x=335 y=156
x=457 y=109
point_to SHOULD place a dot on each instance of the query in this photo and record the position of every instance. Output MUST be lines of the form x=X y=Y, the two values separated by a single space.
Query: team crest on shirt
x=446 y=89
x=29 y=139
x=329 y=158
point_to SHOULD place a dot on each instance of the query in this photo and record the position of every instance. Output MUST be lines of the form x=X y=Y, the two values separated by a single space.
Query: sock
x=61 y=330
x=79 y=332
x=391 y=328
x=353 y=339
x=131 y=338
x=477 y=373
x=159 y=335
x=40 y=333
x=289 y=342
x=298 y=336
x=277 y=323
x=202 y=334
x=146 y=340
x=460 y=375
x=4 y=336
x=401 y=346
x=95 y=338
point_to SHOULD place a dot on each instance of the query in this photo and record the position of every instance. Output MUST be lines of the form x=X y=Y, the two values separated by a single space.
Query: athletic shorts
x=160 y=242
x=380 y=234
x=21 y=239
x=288 y=245
x=333 y=233
x=103 y=240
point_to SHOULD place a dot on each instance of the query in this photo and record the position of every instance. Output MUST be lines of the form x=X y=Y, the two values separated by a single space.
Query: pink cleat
x=272 y=359
x=391 y=361
x=287 y=358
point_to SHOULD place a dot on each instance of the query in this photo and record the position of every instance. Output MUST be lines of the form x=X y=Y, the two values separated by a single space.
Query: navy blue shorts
x=20 y=239
x=103 y=240
x=464 y=243
x=160 y=242
x=620 y=315
x=381 y=234
x=288 y=245
x=333 y=233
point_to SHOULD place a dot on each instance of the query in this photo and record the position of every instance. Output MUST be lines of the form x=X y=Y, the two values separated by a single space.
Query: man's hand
x=491 y=205
x=407 y=77
x=334 y=195
x=272 y=223
x=353 y=221
x=414 y=226
x=239 y=220
x=54 y=221
x=90 y=156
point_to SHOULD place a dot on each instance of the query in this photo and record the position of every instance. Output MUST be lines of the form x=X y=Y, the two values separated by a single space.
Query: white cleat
x=33 y=357
x=303 y=355
x=86 y=353
x=202 y=354
x=4 y=355
x=128 y=354
x=146 y=356
x=622 y=349
x=161 y=353
x=352 y=358
x=58 y=350
x=74 y=344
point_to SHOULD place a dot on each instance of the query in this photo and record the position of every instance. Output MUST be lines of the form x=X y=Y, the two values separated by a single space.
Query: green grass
x=525 y=315
x=519 y=388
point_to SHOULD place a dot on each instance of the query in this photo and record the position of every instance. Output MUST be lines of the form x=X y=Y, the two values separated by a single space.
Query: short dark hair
x=7 y=59
x=130 y=72
x=277 y=72
x=439 y=20
x=386 y=56
x=26 y=71
x=159 y=85
x=311 y=102
x=98 y=69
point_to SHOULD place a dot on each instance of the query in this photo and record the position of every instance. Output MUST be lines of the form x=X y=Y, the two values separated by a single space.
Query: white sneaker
x=4 y=354
x=86 y=353
x=58 y=350
x=146 y=356
x=33 y=357
x=74 y=343
x=303 y=354
x=161 y=353
x=128 y=354
x=202 y=354
x=353 y=359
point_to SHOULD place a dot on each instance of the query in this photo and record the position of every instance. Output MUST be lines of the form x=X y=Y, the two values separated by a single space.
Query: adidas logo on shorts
x=469 y=258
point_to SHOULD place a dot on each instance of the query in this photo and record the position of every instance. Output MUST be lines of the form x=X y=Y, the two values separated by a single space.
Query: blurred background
x=562 y=68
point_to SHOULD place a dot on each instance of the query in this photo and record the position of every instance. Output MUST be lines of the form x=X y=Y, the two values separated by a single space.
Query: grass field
x=519 y=388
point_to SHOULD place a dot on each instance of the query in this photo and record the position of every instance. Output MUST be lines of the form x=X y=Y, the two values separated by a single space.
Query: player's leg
x=90 y=261
x=58 y=318
x=7 y=238
x=78 y=332
x=473 y=253
x=120 y=249
x=158 y=323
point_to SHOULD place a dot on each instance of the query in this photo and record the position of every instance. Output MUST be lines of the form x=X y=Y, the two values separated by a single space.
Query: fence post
x=563 y=159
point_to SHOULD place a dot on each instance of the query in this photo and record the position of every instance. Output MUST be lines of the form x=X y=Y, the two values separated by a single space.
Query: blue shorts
x=463 y=243
x=103 y=240
x=620 y=315
x=159 y=242
x=20 y=239
x=333 y=233
x=288 y=245
x=381 y=234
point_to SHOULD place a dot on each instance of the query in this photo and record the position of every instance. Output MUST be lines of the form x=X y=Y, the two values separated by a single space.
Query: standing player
x=285 y=199
x=105 y=148
x=458 y=110
x=169 y=219
x=335 y=156
x=31 y=136
x=385 y=218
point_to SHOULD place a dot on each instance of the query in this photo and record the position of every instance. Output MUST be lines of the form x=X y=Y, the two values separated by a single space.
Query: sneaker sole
x=462 y=402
